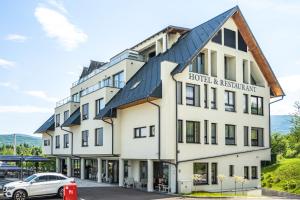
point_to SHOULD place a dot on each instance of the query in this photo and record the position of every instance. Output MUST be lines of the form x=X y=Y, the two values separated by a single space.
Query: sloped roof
x=182 y=52
x=74 y=119
x=93 y=65
x=47 y=126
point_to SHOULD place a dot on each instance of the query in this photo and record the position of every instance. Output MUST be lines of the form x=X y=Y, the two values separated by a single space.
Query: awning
x=11 y=158
x=47 y=126
x=73 y=120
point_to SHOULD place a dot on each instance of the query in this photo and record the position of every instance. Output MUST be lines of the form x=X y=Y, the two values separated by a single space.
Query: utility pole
x=15 y=144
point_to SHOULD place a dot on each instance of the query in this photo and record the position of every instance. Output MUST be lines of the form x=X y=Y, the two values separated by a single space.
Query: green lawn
x=283 y=176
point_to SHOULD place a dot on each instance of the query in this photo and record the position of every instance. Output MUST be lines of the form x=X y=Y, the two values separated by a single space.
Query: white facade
x=140 y=144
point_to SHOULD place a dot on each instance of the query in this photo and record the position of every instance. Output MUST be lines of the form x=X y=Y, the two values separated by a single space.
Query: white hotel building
x=182 y=103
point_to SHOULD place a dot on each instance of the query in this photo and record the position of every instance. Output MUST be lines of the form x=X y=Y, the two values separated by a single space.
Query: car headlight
x=10 y=188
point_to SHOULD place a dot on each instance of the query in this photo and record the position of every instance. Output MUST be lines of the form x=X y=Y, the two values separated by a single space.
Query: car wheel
x=20 y=195
x=61 y=192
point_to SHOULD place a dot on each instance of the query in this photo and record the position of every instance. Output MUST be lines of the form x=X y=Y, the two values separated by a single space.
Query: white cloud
x=41 y=95
x=24 y=109
x=58 y=5
x=6 y=64
x=57 y=26
x=9 y=85
x=16 y=38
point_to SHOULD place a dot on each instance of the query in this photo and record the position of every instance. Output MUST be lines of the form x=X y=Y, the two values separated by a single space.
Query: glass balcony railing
x=65 y=101
x=102 y=84
x=127 y=54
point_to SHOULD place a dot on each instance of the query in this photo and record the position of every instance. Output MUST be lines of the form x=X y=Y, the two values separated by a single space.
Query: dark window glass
x=118 y=80
x=75 y=97
x=229 y=38
x=180 y=131
x=257 y=105
x=198 y=64
x=179 y=92
x=213 y=133
x=246 y=136
x=66 y=115
x=151 y=54
x=85 y=138
x=257 y=137
x=106 y=82
x=218 y=37
x=241 y=43
x=99 y=105
x=192 y=95
x=57 y=141
x=192 y=132
x=52 y=178
x=254 y=172
x=57 y=120
x=66 y=140
x=46 y=142
x=246 y=172
x=246 y=103
x=229 y=134
x=152 y=131
x=231 y=170
x=213 y=98
x=200 y=173
x=99 y=137
x=85 y=111
x=140 y=132
x=206 y=141
x=41 y=179
x=229 y=101
x=205 y=96
x=214 y=173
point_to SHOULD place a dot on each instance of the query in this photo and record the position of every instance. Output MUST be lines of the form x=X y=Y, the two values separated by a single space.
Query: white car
x=41 y=184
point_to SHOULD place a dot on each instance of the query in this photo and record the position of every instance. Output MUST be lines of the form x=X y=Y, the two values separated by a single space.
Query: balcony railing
x=127 y=54
x=65 y=101
x=102 y=84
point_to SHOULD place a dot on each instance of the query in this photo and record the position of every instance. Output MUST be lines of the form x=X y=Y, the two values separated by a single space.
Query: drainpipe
x=51 y=142
x=72 y=139
x=112 y=134
x=158 y=109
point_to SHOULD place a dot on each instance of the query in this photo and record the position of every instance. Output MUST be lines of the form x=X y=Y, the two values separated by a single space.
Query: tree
x=279 y=143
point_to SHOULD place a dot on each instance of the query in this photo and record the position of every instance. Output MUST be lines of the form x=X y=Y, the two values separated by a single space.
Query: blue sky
x=44 y=45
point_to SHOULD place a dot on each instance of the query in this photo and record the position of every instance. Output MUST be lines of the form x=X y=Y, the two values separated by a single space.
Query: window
x=246 y=136
x=180 y=131
x=99 y=105
x=246 y=103
x=218 y=37
x=205 y=96
x=75 y=97
x=192 y=132
x=198 y=64
x=200 y=173
x=57 y=120
x=229 y=101
x=206 y=132
x=229 y=38
x=85 y=111
x=241 y=43
x=66 y=115
x=246 y=172
x=140 y=132
x=213 y=135
x=85 y=138
x=41 y=179
x=229 y=134
x=152 y=131
x=192 y=95
x=245 y=72
x=254 y=172
x=229 y=68
x=46 y=142
x=213 y=102
x=99 y=137
x=66 y=140
x=256 y=105
x=179 y=92
x=231 y=170
x=214 y=173
x=118 y=80
x=106 y=82
x=57 y=142
x=257 y=137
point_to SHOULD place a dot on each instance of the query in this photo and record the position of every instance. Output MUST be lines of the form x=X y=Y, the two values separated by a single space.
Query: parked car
x=41 y=184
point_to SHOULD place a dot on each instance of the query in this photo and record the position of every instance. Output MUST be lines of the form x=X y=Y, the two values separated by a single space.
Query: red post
x=70 y=191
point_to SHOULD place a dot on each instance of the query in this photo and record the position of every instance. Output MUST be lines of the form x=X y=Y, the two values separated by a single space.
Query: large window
x=57 y=120
x=246 y=172
x=200 y=173
x=85 y=138
x=179 y=92
x=214 y=173
x=254 y=174
x=76 y=97
x=198 y=64
x=85 y=111
x=241 y=43
x=192 y=95
x=66 y=140
x=99 y=105
x=256 y=105
x=213 y=130
x=218 y=37
x=118 y=80
x=140 y=132
x=66 y=115
x=246 y=136
x=192 y=132
x=99 y=137
x=229 y=134
x=213 y=101
x=180 y=131
x=206 y=139
x=257 y=137
x=57 y=141
x=229 y=101
x=229 y=38
x=246 y=103
x=205 y=96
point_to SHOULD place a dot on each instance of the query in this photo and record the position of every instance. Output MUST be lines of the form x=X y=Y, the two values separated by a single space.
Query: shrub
x=285 y=186
x=269 y=185
x=268 y=176
x=263 y=184
x=292 y=185
x=277 y=180
x=290 y=153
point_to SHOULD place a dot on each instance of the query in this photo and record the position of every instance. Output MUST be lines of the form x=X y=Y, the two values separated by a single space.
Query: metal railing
x=65 y=101
x=102 y=84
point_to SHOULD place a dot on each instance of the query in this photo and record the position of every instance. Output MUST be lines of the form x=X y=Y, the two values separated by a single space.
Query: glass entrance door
x=75 y=168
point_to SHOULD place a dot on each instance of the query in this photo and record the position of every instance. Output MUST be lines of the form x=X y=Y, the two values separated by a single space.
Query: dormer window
x=135 y=85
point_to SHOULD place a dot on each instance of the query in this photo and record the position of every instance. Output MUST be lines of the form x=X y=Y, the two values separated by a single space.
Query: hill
x=283 y=176
x=281 y=123
x=7 y=139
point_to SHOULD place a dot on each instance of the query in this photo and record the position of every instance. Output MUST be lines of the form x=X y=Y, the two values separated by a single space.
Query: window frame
x=255 y=110
x=206 y=134
x=84 y=143
x=137 y=132
x=213 y=101
x=214 y=173
x=66 y=141
x=57 y=141
x=214 y=139
x=180 y=131
x=66 y=115
x=98 y=106
x=259 y=136
x=228 y=137
x=85 y=116
x=227 y=40
x=245 y=103
x=57 y=120
x=196 y=135
x=97 y=136
x=120 y=83
x=229 y=107
x=246 y=172
x=207 y=173
x=152 y=131
x=254 y=175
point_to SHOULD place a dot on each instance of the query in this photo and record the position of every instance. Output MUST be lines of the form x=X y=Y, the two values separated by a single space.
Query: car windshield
x=30 y=178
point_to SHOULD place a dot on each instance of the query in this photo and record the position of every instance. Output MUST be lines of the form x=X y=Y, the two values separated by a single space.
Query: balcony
x=102 y=84
x=66 y=100
x=127 y=54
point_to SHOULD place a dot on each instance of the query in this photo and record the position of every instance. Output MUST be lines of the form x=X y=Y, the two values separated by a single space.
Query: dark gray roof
x=47 y=126
x=74 y=119
x=93 y=65
x=182 y=52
